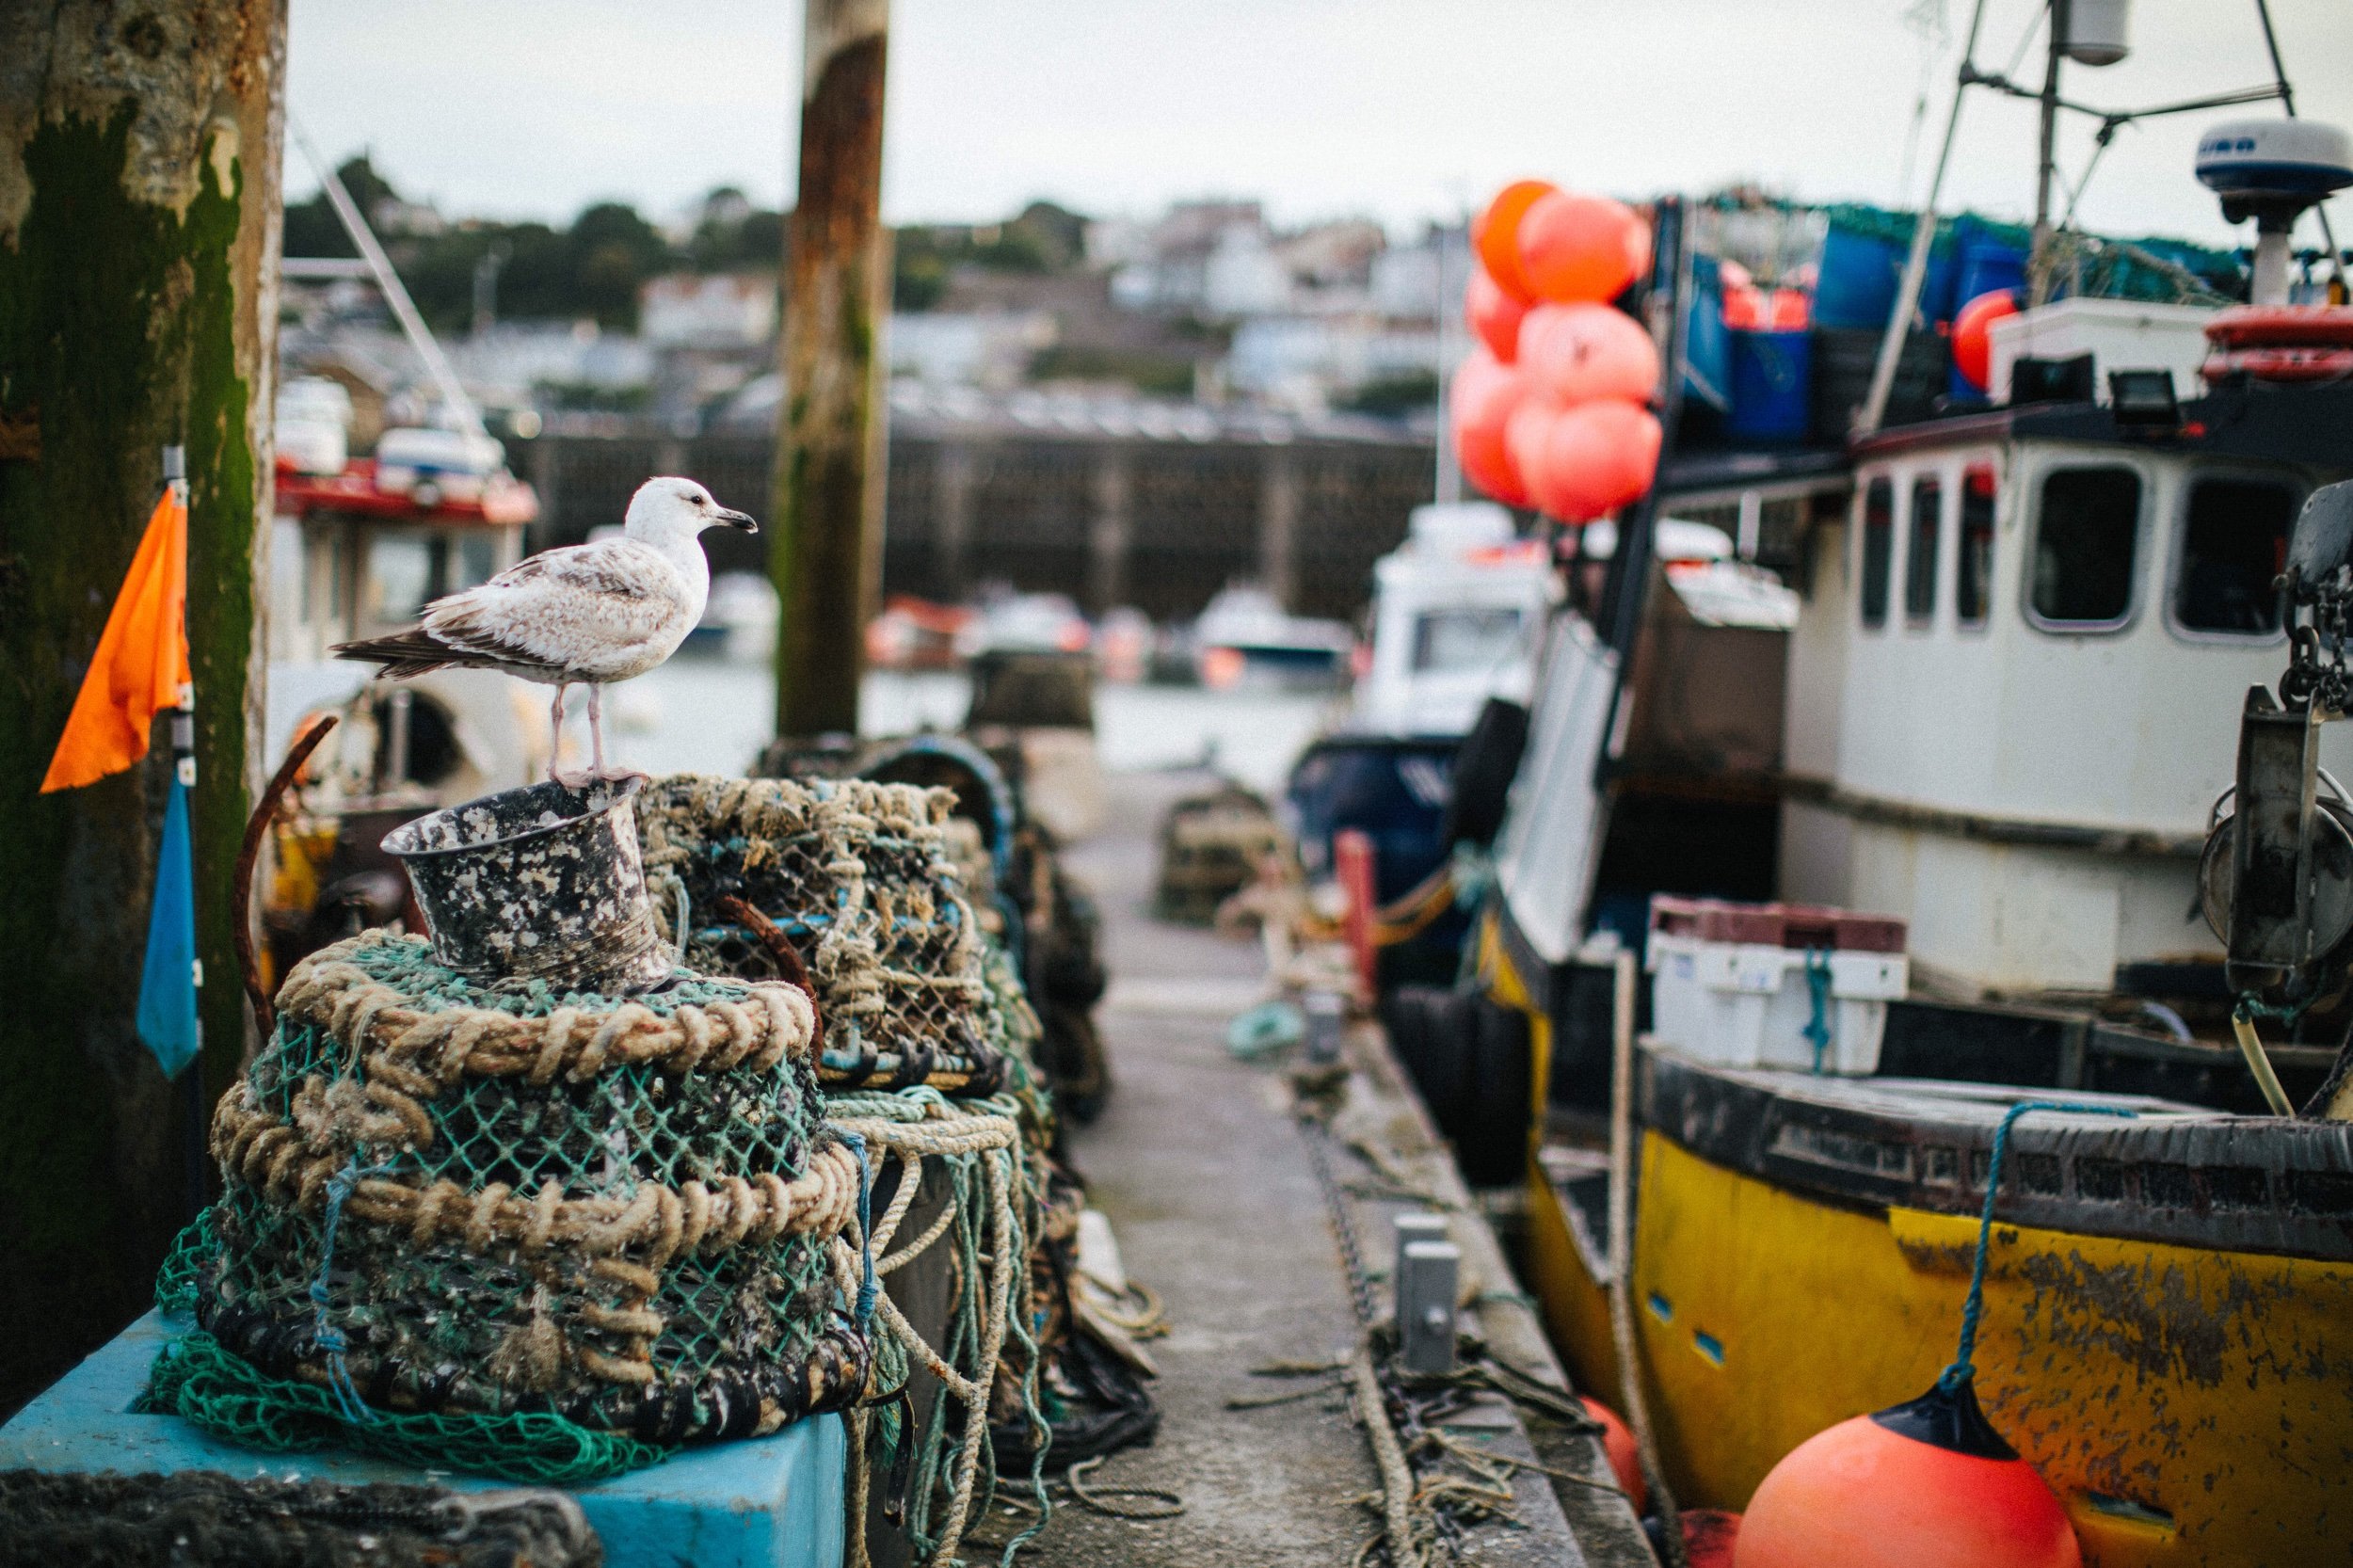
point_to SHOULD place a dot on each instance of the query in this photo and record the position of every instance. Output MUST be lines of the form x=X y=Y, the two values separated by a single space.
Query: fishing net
x=587 y=1228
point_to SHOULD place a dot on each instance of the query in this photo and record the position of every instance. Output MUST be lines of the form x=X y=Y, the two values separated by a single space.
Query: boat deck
x=1198 y=1164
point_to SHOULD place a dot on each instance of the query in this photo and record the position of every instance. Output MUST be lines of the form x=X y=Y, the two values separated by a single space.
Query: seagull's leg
x=555 y=739
x=556 y=745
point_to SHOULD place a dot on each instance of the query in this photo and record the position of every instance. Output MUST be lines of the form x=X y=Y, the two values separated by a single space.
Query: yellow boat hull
x=2190 y=1406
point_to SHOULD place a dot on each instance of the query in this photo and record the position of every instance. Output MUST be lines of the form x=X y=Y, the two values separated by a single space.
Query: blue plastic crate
x=1772 y=386
x=770 y=1502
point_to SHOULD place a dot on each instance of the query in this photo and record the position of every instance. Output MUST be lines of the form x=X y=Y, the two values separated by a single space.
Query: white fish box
x=1720 y=994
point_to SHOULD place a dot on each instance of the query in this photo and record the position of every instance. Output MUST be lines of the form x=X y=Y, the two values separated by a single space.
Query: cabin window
x=399 y=577
x=1879 y=549
x=1927 y=527
x=1972 y=573
x=2235 y=543
x=1480 y=639
x=2086 y=540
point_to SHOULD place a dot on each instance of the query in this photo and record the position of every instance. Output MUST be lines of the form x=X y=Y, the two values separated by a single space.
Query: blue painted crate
x=771 y=1502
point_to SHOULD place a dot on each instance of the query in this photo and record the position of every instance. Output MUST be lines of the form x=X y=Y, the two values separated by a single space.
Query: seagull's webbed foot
x=620 y=776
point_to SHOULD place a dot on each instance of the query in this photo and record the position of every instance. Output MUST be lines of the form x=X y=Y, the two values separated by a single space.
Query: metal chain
x=1319 y=1137
x=2316 y=672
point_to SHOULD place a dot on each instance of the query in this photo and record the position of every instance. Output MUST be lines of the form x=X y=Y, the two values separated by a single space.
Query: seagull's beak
x=735 y=520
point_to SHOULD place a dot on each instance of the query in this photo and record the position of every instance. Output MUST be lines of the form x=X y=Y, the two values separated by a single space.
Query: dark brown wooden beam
x=829 y=474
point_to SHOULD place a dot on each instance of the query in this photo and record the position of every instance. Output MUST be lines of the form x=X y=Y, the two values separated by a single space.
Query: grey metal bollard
x=1327 y=1022
x=1427 y=1276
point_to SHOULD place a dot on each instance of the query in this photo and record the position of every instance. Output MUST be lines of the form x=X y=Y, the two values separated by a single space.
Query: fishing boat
x=2007 y=901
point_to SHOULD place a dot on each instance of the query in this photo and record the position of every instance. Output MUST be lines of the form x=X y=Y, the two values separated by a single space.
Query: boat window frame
x=1864 y=617
x=1923 y=619
x=2030 y=543
x=2299 y=486
x=1982 y=622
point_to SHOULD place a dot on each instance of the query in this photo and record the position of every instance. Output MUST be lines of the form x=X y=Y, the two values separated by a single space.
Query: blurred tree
x=312 y=227
x=1393 y=396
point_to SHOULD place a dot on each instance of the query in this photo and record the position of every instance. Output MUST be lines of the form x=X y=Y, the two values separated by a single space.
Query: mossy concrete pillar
x=139 y=234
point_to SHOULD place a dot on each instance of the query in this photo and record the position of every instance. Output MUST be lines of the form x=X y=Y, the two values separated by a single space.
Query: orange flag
x=142 y=658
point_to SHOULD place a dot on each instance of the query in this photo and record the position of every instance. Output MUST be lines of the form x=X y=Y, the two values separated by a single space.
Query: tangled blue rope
x=329 y=1337
x=1818 y=1032
x=866 y=1287
x=1962 y=1369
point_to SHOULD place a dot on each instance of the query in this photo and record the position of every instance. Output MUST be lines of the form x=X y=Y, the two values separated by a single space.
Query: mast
x=2046 y=165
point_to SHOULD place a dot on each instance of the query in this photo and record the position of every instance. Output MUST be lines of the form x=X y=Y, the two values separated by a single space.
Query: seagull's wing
x=575 y=607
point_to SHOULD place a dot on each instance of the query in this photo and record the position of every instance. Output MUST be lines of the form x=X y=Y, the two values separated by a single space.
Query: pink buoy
x=1576 y=248
x=1926 y=1484
x=1482 y=399
x=1597 y=456
x=1528 y=438
x=1493 y=314
x=1577 y=353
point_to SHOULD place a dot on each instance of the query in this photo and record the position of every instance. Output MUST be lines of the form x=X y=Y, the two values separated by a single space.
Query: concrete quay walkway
x=1210 y=1183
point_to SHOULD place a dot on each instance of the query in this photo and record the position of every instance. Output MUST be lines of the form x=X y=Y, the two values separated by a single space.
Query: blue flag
x=168 y=1022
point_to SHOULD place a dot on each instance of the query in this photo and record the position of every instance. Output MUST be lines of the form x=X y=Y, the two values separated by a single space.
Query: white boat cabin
x=2015 y=688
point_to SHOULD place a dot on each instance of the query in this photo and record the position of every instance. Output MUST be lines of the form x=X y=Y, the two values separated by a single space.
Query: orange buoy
x=1927 y=1484
x=1493 y=314
x=1483 y=395
x=1972 y=342
x=1576 y=247
x=1618 y=1444
x=1495 y=234
x=1579 y=352
x=1595 y=457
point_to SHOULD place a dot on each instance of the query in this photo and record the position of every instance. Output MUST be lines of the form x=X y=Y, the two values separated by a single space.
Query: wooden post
x=1111 y=530
x=830 y=425
x=138 y=236
x=1278 y=525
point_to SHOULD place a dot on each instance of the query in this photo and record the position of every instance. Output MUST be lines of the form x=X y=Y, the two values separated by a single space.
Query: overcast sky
x=1398 y=109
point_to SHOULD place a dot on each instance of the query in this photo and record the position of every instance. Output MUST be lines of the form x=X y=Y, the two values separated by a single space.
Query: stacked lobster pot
x=531 y=1183
x=926 y=1056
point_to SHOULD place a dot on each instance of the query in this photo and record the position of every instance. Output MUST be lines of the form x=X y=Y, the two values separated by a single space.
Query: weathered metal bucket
x=538 y=884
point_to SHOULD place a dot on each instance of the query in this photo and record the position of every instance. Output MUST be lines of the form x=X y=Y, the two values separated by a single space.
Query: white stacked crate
x=1732 y=984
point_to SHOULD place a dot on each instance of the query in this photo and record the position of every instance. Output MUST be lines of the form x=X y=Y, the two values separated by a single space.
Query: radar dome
x=2271 y=170
x=2268 y=160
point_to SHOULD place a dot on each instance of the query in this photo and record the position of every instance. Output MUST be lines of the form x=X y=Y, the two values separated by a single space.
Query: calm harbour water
x=708 y=716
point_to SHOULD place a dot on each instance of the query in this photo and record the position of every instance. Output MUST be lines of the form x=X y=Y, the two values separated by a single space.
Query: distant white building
x=719 y=310
x=1305 y=362
x=1405 y=280
x=971 y=349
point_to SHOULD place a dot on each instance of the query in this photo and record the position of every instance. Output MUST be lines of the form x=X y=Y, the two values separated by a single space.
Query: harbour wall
x=1110 y=518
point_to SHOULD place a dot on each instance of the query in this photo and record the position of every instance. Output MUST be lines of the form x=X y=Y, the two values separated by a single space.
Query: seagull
x=583 y=614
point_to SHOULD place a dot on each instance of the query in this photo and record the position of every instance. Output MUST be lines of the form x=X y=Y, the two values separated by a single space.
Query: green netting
x=197 y=1379
x=446 y=1202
